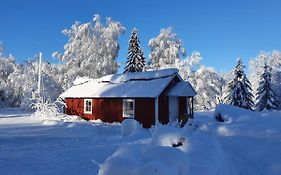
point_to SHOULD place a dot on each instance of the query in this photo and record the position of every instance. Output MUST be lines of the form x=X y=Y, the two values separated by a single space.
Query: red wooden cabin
x=148 y=97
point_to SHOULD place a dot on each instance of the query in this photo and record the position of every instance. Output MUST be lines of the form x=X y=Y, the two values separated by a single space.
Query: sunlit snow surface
x=249 y=143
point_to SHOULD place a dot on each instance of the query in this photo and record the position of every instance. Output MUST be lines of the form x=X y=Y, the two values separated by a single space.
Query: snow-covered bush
x=45 y=110
x=169 y=136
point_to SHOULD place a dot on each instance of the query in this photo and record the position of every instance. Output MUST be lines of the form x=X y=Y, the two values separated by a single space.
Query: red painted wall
x=145 y=111
x=111 y=110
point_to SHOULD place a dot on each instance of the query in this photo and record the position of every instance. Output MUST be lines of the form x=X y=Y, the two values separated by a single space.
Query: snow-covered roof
x=182 y=89
x=81 y=80
x=138 y=84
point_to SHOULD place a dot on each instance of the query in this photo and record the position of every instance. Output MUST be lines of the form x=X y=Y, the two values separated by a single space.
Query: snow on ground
x=251 y=140
x=248 y=143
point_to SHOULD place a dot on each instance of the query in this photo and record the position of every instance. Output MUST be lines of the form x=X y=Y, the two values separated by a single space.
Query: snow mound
x=149 y=75
x=241 y=122
x=51 y=122
x=145 y=159
x=81 y=80
x=232 y=113
x=130 y=127
x=169 y=136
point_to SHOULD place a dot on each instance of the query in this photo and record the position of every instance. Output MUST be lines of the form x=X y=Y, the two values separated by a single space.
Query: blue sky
x=221 y=30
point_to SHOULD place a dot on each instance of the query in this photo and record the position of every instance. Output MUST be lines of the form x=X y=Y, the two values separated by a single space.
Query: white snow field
x=249 y=143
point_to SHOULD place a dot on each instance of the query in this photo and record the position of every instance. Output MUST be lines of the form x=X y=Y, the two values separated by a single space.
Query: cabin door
x=173 y=108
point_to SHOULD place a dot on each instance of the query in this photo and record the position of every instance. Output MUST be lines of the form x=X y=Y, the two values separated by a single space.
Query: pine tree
x=266 y=98
x=135 y=59
x=239 y=91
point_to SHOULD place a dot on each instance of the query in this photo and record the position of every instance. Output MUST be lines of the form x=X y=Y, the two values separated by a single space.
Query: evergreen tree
x=135 y=59
x=266 y=98
x=239 y=91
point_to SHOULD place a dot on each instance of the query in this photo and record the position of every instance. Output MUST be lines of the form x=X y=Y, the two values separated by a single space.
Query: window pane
x=131 y=105
x=128 y=108
x=88 y=106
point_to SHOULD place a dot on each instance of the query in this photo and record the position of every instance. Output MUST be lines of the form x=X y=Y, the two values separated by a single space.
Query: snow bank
x=130 y=127
x=232 y=113
x=241 y=122
x=146 y=159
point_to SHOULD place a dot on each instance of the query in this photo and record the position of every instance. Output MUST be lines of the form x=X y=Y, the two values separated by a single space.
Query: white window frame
x=124 y=108
x=91 y=107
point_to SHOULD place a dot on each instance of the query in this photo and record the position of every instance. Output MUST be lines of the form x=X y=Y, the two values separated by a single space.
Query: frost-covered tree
x=239 y=90
x=275 y=64
x=208 y=85
x=256 y=69
x=24 y=81
x=266 y=98
x=91 y=50
x=7 y=67
x=1 y=48
x=189 y=65
x=135 y=59
x=166 y=48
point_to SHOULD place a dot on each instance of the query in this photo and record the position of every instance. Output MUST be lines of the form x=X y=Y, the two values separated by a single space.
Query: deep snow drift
x=249 y=143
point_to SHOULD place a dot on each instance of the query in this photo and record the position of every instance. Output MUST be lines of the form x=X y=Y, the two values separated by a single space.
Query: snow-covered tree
x=256 y=69
x=275 y=64
x=208 y=85
x=189 y=65
x=7 y=67
x=266 y=98
x=24 y=81
x=135 y=59
x=273 y=60
x=91 y=50
x=239 y=90
x=1 y=48
x=166 y=48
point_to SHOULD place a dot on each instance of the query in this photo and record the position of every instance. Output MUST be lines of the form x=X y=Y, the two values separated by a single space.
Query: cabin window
x=129 y=108
x=88 y=106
